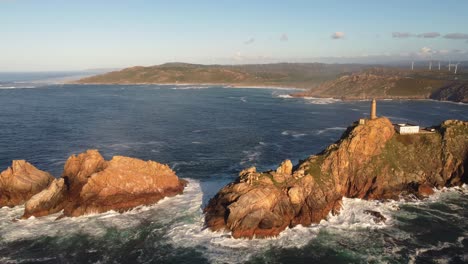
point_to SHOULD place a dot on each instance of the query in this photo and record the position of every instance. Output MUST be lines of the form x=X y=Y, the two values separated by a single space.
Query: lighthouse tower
x=373 y=113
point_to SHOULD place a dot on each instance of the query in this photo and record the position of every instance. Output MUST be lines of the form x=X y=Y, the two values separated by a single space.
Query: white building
x=407 y=129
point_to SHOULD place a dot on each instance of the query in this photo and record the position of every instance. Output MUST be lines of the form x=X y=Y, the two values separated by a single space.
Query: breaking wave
x=191 y=87
x=182 y=220
x=294 y=134
x=6 y=87
x=321 y=101
x=321 y=131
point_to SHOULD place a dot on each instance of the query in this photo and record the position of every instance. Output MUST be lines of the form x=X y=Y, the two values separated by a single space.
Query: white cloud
x=338 y=35
x=401 y=35
x=425 y=52
x=456 y=36
x=429 y=35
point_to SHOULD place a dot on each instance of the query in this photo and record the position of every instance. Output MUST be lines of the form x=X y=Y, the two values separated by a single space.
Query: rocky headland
x=391 y=84
x=370 y=161
x=89 y=184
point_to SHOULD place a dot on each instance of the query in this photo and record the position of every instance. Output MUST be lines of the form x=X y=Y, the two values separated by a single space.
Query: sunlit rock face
x=20 y=182
x=370 y=161
x=90 y=184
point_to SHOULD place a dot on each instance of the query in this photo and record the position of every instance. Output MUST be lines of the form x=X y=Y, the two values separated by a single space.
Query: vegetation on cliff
x=301 y=75
x=345 y=81
x=394 y=83
x=370 y=161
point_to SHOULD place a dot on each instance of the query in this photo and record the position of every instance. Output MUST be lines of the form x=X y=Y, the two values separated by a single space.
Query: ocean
x=207 y=134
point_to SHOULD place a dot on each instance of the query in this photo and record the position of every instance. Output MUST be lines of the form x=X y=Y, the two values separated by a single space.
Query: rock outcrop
x=90 y=184
x=456 y=91
x=20 y=182
x=370 y=161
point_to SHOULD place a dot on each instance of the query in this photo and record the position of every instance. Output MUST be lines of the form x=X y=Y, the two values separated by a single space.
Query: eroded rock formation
x=370 y=161
x=20 y=182
x=90 y=184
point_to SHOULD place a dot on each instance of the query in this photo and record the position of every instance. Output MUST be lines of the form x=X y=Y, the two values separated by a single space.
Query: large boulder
x=90 y=184
x=126 y=183
x=20 y=182
x=49 y=201
x=370 y=161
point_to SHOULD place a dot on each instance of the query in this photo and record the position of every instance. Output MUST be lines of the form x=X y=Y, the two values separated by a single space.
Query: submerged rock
x=20 y=182
x=90 y=184
x=370 y=161
x=425 y=190
x=378 y=217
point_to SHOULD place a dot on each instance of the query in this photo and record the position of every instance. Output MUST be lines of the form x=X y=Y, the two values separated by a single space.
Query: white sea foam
x=321 y=101
x=286 y=96
x=263 y=87
x=130 y=145
x=440 y=246
x=321 y=131
x=16 y=87
x=191 y=87
x=292 y=133
x=251 y=156
x=220 y=247
x=183 y=222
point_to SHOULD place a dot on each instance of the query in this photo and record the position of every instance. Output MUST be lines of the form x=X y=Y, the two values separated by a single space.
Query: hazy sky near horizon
x=43 y=35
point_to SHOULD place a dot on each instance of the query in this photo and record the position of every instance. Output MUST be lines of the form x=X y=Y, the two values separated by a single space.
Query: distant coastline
x=338 y=81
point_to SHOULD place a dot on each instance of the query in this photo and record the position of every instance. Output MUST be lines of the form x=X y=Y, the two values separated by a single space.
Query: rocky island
x=89 y=184
x=371 y=161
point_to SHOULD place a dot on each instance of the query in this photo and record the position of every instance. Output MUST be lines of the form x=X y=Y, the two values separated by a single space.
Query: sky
x=45 y=35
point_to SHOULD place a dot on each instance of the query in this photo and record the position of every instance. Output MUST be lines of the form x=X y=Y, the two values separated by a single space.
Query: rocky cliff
x=20 y=182
x=392 y=83
x=370 y=161
x=90 y=184
x=456 y=91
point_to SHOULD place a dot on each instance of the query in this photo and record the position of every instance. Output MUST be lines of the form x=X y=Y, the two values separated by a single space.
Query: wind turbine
x=450 y=64
x=430 y=63
x=439 y=65
x=456 y=68
x=412 y=65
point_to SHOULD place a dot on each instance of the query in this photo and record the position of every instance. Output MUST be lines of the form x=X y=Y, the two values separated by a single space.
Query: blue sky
x=73 y=35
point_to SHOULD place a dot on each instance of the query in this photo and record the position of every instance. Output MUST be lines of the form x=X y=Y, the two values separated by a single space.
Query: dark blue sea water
x=207 y=135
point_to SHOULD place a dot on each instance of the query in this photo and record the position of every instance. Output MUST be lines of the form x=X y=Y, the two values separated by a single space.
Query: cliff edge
x=370 y=161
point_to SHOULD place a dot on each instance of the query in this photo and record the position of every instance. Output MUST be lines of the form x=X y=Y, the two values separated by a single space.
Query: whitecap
x=292 y=133
x=321 y=101
x=183 y=223
x=321 y=131
x=191 y=87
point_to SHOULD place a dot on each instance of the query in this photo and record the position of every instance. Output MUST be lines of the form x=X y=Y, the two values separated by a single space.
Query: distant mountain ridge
x=300 y=75
x=344 y=81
